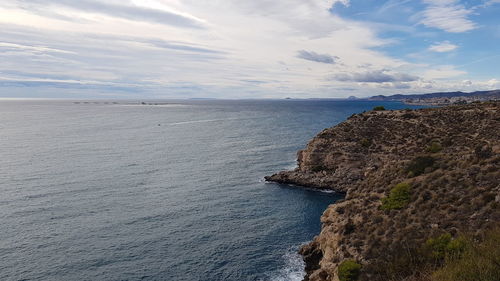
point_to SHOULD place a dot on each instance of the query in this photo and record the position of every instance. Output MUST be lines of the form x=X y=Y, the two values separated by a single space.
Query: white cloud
x=37 y=49
x=238 y=42
x=376 y=76
x=442 y=47
x=447 y=15
x=315 y=57
x=493 y=83
x=184 y=48
x=443 y=72
x=491 y=2
x=120 y=9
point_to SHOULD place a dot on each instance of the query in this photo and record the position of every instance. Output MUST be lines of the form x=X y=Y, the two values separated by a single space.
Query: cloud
x=447 y=15
x=244 y=43
x=491 y=2
x=223 y=48
x=159 y=43
x=117 y=9
x=443 y=72
x=6 y=46
x=42 y=59
x=493 y=83
x=376 y=76
x=394 y=85
x=313 y=56
x=390 y=4
x=442 y=47
x=344 y=2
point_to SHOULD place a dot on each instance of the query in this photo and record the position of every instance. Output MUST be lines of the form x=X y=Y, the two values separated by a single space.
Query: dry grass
x=479 y=262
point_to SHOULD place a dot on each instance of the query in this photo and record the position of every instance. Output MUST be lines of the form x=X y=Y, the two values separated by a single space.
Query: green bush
x=349 y=270
x=379 y=108
x=455 y=248
x=418 y=165
x=398 y=197
x=437 y=246
x=435 y=147
x=444 y=246
x=477 y=262
x=464 y=258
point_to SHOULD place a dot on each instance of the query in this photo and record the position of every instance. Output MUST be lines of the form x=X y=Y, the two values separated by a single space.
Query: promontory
x=422 y=195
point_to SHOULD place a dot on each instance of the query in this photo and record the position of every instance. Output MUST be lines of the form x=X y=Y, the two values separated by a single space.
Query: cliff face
x=448 y=157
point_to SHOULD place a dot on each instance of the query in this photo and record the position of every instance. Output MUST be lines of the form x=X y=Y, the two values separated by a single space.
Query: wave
x=209 y=120
x=294 y=165
x=293 y=269
x=201 y=121
x=290 y=185
x=156 y=105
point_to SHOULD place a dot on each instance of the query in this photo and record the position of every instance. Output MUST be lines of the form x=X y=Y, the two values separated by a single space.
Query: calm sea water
x=95 y=191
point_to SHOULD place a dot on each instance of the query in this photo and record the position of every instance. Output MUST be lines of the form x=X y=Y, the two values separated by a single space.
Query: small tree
x=349 y=270
x=445 y=246
x=398 y=197
x=435 y=147
x=418 y=165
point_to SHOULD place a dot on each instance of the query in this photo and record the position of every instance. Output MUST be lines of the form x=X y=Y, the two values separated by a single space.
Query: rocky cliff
x=408 y=176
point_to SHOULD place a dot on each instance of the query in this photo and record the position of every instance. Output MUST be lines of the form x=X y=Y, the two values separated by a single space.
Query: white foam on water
x=202 y=121
x=329 y=191
x=293 y=165
x=155 y=105
x=293 y=269
x=211 y=120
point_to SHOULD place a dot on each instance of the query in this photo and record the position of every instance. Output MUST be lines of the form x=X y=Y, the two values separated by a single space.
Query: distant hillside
x=494 y=94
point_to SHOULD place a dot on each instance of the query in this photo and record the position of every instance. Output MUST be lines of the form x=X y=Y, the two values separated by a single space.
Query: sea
x=158 y=190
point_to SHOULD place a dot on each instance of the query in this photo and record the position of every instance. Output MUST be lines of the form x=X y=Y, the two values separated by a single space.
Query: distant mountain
x=495 y=94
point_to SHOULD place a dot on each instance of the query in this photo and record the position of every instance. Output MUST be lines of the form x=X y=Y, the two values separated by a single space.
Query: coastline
x=362 y=158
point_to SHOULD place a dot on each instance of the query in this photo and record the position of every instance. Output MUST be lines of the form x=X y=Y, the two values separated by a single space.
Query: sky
x=246 y=48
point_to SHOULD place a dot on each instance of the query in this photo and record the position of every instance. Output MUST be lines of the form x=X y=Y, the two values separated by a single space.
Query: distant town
x=443 y=99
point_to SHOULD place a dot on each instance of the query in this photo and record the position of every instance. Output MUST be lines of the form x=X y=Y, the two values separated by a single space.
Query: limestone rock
x=368 y=154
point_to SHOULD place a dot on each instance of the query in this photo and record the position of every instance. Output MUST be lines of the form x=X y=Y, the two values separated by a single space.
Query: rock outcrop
x=448 y=156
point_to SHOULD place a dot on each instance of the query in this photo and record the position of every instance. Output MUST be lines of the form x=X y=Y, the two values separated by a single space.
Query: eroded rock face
x=368 y=154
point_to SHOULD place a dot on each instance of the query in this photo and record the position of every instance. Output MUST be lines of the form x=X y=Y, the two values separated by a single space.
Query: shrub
x=379 y=108
x=444 y=246
x=483 y=151
x=317 y=168
x=488 y=197
x=418 y=165
x=398 y=197
x=437 y=246
x=478 y=262
x=349 y=270
x=365 y=143
x=349 y=228
x=456 y=247
x=435 y=147
x=464 y=259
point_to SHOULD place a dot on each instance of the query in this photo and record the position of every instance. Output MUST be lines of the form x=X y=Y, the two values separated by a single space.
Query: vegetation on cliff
x=422 y=194
x=476 y=261
x=398 y=198
x=349 y=270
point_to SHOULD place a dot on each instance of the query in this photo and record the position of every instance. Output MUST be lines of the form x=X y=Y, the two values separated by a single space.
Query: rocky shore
x=408 y=176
